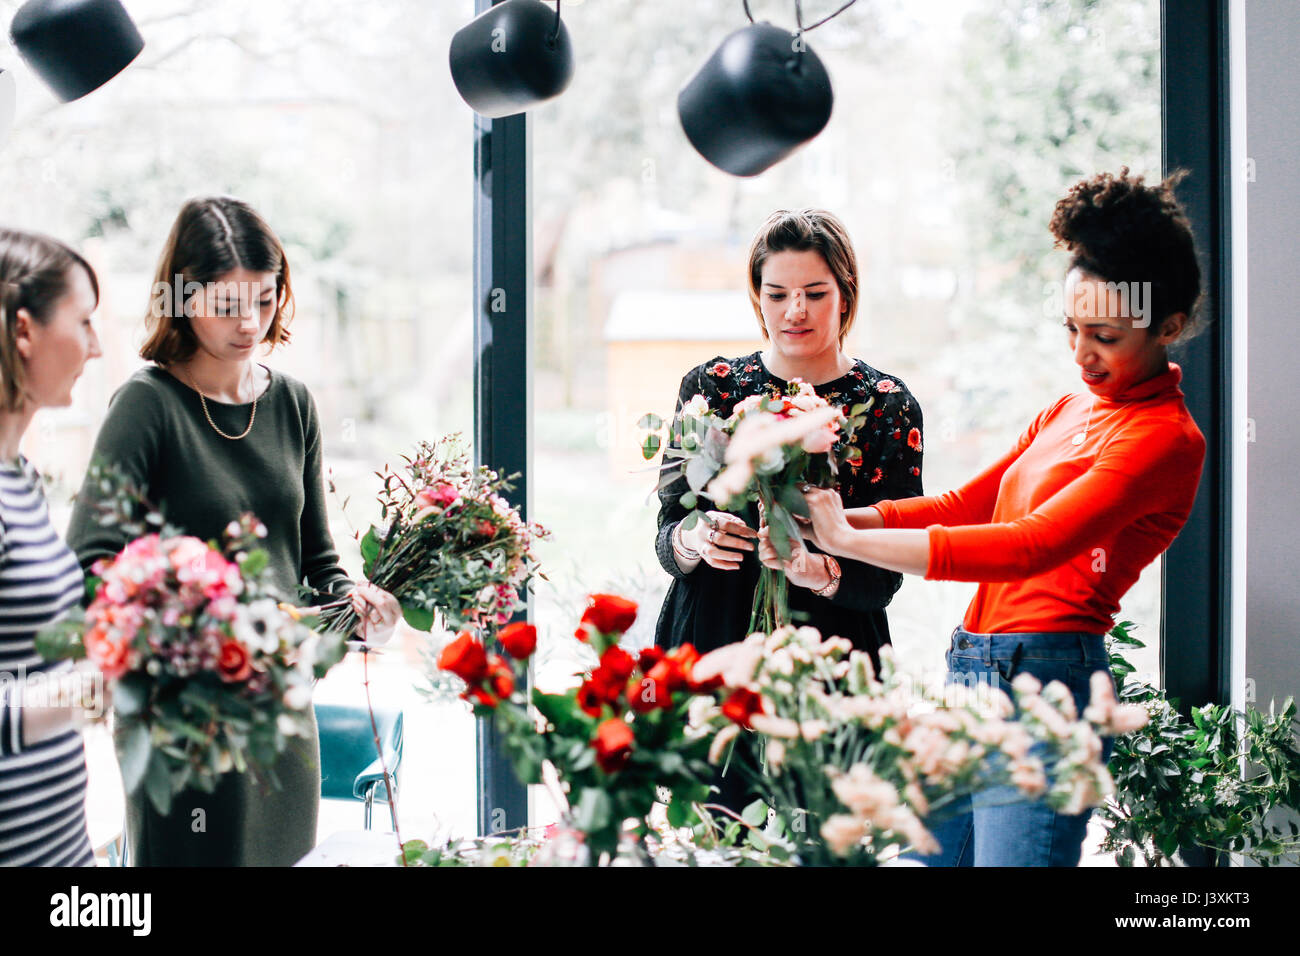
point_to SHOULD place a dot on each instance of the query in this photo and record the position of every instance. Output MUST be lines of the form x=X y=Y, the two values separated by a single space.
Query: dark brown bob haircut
x=211 y=238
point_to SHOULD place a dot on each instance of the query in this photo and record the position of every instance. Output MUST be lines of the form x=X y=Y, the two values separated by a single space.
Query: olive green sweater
x=155 y=430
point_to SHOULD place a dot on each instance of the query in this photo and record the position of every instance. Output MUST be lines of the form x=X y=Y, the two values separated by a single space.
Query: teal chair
x=349 y=766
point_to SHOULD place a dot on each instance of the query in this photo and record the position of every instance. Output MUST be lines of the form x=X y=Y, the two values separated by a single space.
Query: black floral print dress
x=710 y=608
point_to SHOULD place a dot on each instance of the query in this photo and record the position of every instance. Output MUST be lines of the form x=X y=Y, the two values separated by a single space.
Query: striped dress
x=42 y=786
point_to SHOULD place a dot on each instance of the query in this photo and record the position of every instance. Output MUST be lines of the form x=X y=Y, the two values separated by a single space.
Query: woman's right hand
x=721 y=541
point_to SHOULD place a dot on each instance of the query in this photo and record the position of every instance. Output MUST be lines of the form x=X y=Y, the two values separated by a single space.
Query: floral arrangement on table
x=207 y=673
x=765 y=451
x=1197 y=787
x=614 y=740
x=858 y=763
x=449 y=542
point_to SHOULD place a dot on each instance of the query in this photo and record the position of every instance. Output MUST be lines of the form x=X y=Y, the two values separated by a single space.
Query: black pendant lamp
x=75 y=46
x=760 y=96
x=512 y=57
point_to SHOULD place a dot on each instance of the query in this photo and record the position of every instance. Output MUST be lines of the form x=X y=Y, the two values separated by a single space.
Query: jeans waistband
x=1037 y=645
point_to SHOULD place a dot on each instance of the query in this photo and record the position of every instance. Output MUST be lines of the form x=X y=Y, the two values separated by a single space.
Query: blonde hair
x=801 y=230
x=34 y=275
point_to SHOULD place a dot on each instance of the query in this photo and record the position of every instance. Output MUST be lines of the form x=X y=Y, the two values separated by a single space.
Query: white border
x=1237 y=157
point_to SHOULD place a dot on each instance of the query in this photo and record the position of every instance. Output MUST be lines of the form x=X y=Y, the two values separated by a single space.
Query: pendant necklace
x=1080 y=438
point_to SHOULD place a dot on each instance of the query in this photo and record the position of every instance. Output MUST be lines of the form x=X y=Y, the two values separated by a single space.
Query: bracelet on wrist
x=681 y=549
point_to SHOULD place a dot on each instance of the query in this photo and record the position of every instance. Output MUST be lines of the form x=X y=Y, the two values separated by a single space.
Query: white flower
x=842 y=833
x=774 y=755
x=225 y=762
x=781 y=662
x=297 y=697
x=720 y=741
x=288 y=726
x=867 y=795
x=775 y=726
x=813 y=729
x=257 y=625
x=697 y=407
x=1028 y=776
x=1027 y=684
x=701 y=711
x=735 y=663
x=232 y=529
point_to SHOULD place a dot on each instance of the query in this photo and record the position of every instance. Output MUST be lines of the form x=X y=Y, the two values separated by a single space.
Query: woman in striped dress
x=47 y=294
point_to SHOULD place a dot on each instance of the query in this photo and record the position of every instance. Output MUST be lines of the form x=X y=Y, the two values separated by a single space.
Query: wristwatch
x=833 y=568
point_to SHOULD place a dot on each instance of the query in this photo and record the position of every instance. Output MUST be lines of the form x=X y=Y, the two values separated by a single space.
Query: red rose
x=478 y=695
x=916 y=471
x=879 y=412
x=898 y=433
x=591 y=699
x=618 y=662
x=647 y=694
x=720 y=369
x=607 y=685
x=486 y=529
x=914 y=439
x=234 y=663
x=613 y=745
x=742 y=705
x=668 y=673
x=649 y=658
x=466 y=658
x=610 y=614
x=519 y=639
x=109 y=654
x=501 y=677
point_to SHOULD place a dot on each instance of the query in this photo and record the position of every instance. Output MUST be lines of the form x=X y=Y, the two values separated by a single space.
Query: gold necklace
x=208 y=415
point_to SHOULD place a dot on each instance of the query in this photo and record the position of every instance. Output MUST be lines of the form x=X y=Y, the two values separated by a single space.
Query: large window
x=957 y=125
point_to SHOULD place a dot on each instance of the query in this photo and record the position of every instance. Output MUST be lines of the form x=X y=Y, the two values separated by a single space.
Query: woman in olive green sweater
x=208 y=434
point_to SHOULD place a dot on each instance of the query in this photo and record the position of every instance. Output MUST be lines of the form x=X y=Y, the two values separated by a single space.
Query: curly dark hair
x=1121 y=230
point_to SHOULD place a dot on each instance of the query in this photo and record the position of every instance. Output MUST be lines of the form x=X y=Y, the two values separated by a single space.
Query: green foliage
x=1217 y=782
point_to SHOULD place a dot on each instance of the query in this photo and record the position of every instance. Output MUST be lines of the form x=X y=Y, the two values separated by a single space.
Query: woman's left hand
x=378 y=610
x=829 y=524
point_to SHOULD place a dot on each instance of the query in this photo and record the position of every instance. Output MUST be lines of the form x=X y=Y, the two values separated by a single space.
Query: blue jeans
x=1000 y=826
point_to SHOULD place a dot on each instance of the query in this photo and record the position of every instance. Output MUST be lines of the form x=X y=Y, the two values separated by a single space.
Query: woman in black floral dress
x=803 y=283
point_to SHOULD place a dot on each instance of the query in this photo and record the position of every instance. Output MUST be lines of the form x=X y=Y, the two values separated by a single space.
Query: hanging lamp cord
x=556 y=34
x=798 y=13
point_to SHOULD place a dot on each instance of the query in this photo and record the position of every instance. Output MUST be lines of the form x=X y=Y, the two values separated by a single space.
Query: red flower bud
x=742 y=705
x=613 y=743
x=466 y=658
x=519 y=640
x=610 y=614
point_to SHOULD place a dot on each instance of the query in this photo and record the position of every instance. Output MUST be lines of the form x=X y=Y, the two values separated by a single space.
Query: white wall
x=1272 y=141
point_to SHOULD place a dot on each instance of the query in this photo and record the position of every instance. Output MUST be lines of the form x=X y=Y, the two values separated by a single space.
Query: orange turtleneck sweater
x=1055 y=532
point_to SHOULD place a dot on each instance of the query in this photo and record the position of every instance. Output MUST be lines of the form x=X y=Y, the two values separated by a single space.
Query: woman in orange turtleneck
x=1059 y=528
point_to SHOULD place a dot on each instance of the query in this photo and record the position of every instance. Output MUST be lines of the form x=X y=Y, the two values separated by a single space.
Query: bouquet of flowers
x=449 y=542
x=614 y=740
x=208 y=673
x=857 y=763
x=765 y=451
